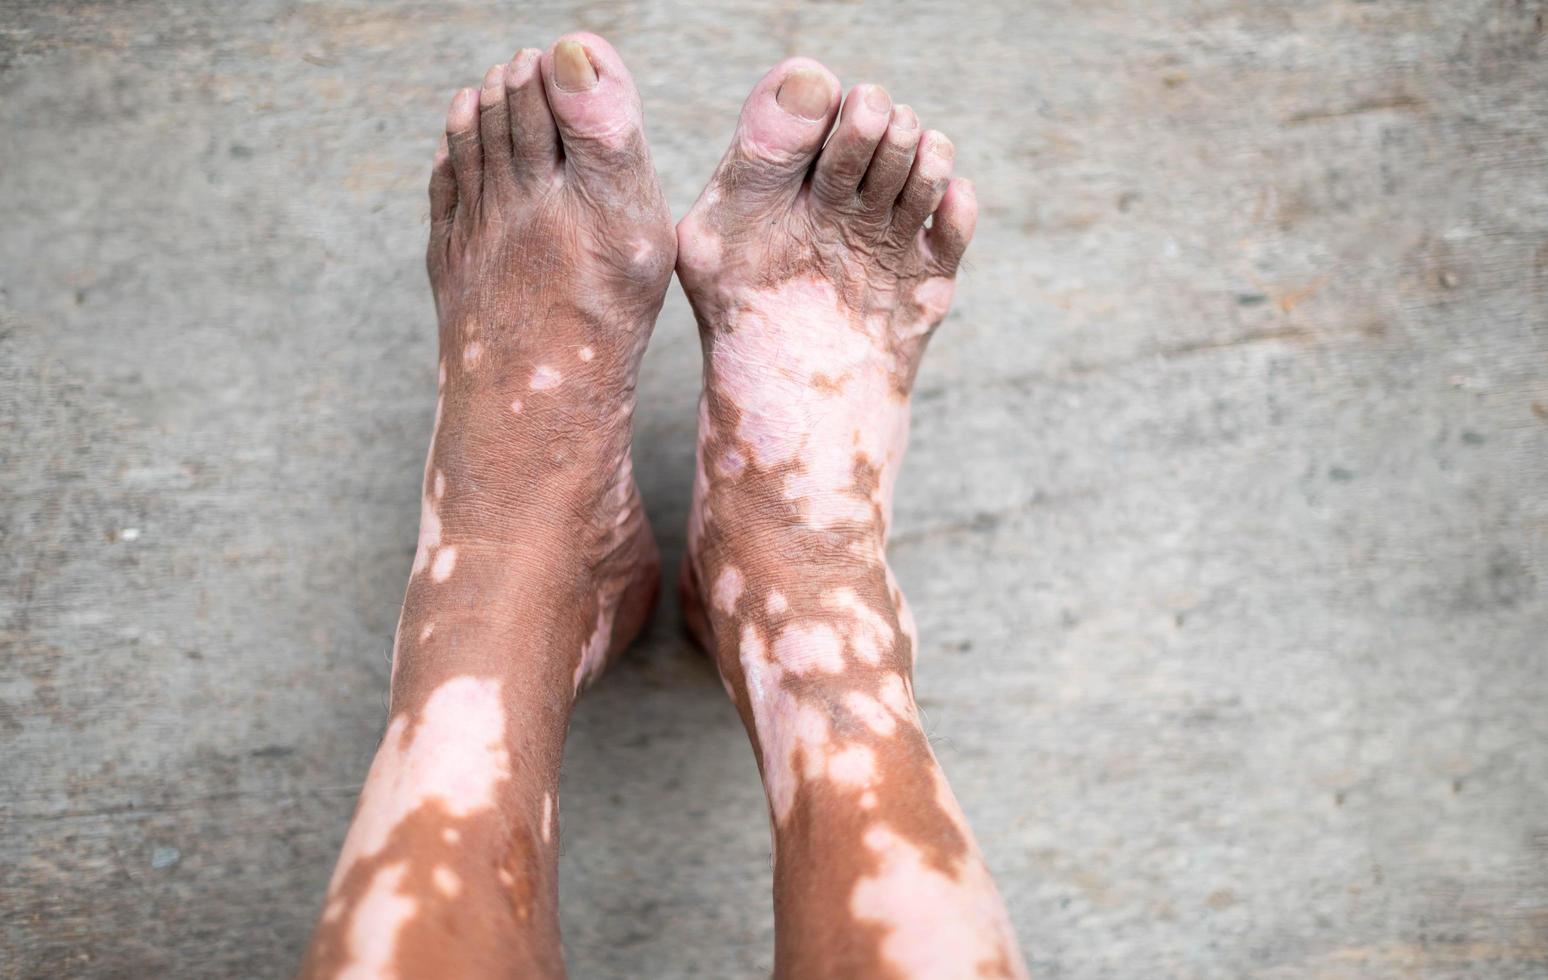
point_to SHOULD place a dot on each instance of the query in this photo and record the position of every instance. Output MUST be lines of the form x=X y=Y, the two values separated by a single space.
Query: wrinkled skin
x=816 y=287
x=550 y=252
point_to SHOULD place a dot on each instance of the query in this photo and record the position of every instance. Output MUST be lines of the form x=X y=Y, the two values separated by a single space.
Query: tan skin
x=550 y=253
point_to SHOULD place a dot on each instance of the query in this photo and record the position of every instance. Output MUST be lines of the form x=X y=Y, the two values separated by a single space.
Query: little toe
x=494 y=131
x=443 y=186
x=951 y=227
x=597 y=111
x=443 y=203
x=925 y=184
x=781 y=128
x=862 y=122
x=534 y=138
x=467 y=156
x=891 y=161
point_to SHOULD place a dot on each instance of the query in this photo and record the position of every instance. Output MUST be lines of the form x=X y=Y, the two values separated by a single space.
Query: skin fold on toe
x=550 y=252
x=818 y=262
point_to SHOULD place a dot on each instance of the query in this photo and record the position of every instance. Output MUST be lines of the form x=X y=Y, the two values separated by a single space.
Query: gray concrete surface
x=1226 y=521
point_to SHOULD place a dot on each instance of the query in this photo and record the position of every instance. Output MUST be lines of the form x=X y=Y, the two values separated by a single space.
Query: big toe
x=597 y=110
x=781 y=130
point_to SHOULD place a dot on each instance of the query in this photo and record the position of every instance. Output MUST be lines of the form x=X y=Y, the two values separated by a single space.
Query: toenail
x=805 y=92
x=573 y=71
x=903 y=117
x=944 y=150
x=492 y=77
x=877 y=98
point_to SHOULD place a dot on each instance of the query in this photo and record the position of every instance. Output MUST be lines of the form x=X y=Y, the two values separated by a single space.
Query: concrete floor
x=1226 y=521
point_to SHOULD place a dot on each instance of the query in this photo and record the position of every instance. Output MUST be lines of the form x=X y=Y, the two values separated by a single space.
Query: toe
x=443 y=202
x=597 y=110
x=534 y=139
x=925 y=184
x=862 y=123
x=467 y=158
x=443 y=186
x=951 y=228
x=494 y=131
x=781 y=129
x=891 y=162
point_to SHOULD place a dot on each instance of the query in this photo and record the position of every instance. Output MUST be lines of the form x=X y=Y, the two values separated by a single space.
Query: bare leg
x=550 y=251
x=816 y=286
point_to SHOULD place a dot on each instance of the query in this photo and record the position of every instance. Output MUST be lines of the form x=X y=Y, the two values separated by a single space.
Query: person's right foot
x=550 y=252
x=816 y=283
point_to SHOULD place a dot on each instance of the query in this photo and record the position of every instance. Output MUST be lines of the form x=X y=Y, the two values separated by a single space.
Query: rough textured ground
x=1226 y=521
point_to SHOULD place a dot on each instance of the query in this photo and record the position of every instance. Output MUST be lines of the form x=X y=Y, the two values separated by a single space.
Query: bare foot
x=550 y=252
x=817 y=284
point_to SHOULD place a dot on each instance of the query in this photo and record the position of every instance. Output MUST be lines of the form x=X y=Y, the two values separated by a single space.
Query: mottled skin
x=816 y=290
x=550 y=252
x=816 y=286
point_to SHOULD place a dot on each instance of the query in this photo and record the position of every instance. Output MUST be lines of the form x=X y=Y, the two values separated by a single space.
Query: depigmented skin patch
x=813 y=325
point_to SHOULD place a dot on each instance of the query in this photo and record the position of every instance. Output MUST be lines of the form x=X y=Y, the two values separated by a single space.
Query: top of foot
x=550 y=252
x=817 y=281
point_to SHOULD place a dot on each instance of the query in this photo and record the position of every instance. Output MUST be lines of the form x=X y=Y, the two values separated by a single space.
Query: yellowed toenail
x=805 y=92
x=572 y=69
x=903 y=117
x=877 y=99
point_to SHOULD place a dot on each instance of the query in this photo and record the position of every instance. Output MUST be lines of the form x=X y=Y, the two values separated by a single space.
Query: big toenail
x=572 y=69
x=877 y=98
x=805 y=92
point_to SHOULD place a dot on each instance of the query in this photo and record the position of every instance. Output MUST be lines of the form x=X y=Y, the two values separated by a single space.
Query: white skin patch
x=789 y=732
x=872 y=634
x=776 y=603
x=548 y=818
x=801 y=327
x=731 y=464
x=895 y=695
x=871 y=712
x=936 y=922
x=451 y=835
x=472 y=354
x=728 y=589
x=429 y=514
x=801 y=649
x=377 y=919
x=854 y=766
x=427 y=632
x=455 y=760
x=933 y=296
x=446 y=881
x=593 y=655
x=516 y=406
x=586 y=353
x=445 y=561
x=544 y=378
